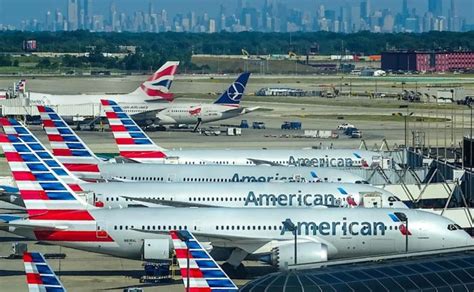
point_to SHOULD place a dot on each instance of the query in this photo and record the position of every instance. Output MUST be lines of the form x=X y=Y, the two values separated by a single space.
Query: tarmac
x=84 y=271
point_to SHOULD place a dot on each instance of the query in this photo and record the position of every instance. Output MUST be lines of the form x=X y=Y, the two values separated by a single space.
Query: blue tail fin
x=234 y=93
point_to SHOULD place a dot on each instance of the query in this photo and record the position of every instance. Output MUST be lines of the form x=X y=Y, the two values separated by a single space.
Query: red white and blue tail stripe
x=39 y=275
x=205 y=275
x=131 y=140
x=69 y=149
x=13 y=127
x=159 y=84
x=49 y=202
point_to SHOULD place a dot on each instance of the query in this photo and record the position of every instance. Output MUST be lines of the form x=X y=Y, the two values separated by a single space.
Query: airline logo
x=327 y=161
x=333 y=228
x=202 y=273
x=39 y=275
x=47 y=199
x=158 y=85
x=295 y=199
x=233 y=95
x=397 y=217
x=132 y=142
x=70 y=150
x=13 y=127
x=251 y=178
x=195 y=111
x=236 y=91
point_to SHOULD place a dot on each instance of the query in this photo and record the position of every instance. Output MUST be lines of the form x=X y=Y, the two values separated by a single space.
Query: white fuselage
x=346 y=232
x=153 y=172
x=248 y=195
x=167 y=113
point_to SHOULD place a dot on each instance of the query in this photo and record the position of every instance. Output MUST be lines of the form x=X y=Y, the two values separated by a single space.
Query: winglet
x=204 y=273
x=131 y=140
x=39 y=275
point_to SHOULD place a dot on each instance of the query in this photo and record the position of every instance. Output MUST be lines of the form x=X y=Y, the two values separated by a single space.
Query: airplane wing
x=198 y=268
x=263 y=162
x=39 y=275
x=176 y=204
x=247 y=110
x=147 y=115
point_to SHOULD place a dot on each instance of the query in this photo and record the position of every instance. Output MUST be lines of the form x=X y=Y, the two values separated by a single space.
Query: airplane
x=199 y=270
x=39 y=275
x=57 y=215
x=155 y=88
x=86 y=165
x=199 y=194
x=134 y=144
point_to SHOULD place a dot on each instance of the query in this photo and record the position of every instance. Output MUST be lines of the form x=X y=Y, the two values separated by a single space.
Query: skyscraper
x=72 y=13
x=88 y=13
x=435 y=7
x=365 y=9
x=405 y=11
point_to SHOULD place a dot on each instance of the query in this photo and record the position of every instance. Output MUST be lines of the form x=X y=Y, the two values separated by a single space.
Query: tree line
x=155 y=48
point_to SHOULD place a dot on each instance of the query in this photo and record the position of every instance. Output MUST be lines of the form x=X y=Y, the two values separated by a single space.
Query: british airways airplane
x=156 y=88
x=57 y=215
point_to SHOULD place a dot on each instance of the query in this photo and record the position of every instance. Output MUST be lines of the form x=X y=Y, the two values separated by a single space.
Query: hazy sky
x=13 y=11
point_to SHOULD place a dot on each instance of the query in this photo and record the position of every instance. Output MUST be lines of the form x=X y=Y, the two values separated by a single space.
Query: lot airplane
x=57 y=215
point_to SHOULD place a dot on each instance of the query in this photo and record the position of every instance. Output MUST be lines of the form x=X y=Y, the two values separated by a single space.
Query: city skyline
x=238 y=15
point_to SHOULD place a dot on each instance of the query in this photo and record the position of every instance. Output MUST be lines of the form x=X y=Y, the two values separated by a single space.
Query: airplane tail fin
x=13 y=127
x=158 y=85
x=39 y=275
x=68 y=148
x=204 y=273
x=45 y=195
x=131 y=140
x=233 y=95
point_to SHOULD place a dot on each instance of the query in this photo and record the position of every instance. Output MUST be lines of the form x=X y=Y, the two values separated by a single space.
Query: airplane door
x=172 y=177
x=101 y=229
x=371 y=200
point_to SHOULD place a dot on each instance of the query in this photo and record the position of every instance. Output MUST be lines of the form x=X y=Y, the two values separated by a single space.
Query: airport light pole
x=184 y=239
x=290 y=226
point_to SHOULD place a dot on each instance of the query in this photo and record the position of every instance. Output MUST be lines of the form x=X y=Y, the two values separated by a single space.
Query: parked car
x=344 y=126
x=356 y=134
x=258 y=125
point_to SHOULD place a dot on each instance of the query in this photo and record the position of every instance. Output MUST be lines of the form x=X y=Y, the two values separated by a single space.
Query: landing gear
x=239 y=272
x=198 y=124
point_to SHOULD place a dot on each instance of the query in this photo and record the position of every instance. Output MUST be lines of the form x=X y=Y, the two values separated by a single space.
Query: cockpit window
x=452 y=227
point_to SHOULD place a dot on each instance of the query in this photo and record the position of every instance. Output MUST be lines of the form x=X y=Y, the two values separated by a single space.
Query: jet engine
x=307 y=252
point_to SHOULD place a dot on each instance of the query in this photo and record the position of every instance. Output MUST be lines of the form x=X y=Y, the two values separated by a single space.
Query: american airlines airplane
x=205 y=194
x=39 y=274
x=57 y=215
x=89 y=166
x=199 y=270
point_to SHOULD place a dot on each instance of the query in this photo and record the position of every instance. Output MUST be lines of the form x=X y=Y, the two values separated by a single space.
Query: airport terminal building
x=427 y=61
